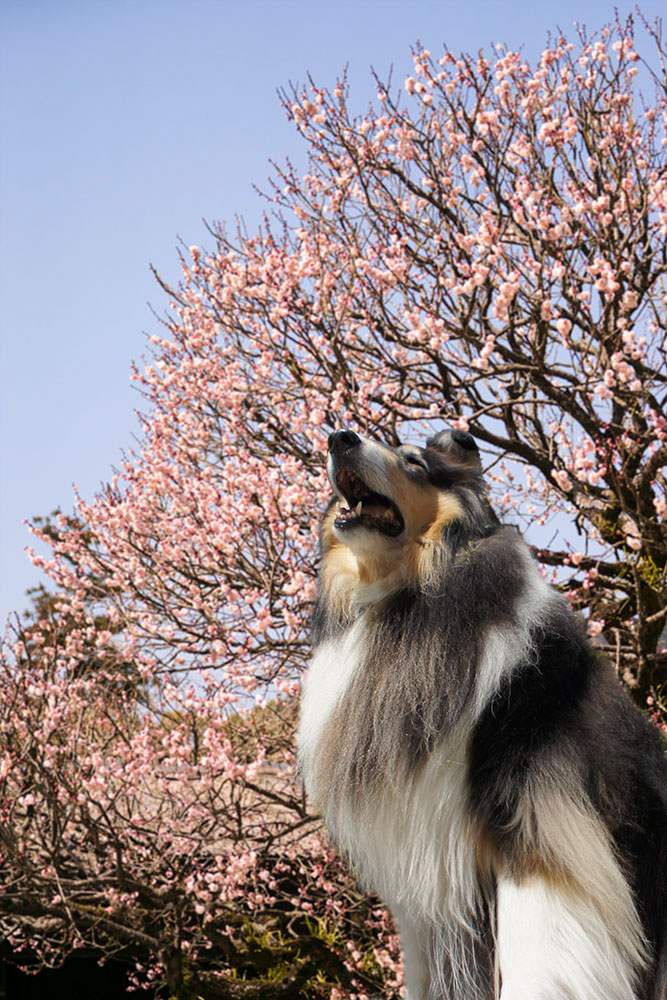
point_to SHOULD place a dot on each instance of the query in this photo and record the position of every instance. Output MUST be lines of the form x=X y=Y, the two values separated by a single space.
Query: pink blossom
x=562 y=479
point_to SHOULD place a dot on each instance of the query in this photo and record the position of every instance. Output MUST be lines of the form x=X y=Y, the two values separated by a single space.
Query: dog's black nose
x=342 y=441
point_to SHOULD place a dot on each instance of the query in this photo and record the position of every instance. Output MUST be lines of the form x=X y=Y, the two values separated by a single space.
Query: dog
x=468 y=749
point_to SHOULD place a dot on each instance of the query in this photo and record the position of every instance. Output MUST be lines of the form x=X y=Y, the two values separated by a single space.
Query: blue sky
x=123 y=125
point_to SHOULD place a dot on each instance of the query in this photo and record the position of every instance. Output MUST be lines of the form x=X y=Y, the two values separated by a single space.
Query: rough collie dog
x=469 y=750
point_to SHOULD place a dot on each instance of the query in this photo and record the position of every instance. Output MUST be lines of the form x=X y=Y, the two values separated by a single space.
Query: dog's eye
x=415 y=460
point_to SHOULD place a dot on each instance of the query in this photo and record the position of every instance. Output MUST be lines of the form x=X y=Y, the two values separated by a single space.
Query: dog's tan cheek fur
x=340 y=576
x=449 y=509
x=428 y=547
x=340 y=569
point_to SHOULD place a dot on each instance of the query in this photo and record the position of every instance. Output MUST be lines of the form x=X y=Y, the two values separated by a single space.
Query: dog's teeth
x=357 y=509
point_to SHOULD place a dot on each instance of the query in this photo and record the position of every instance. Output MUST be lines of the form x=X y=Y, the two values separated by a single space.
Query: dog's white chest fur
x=404 y=841
x=329 y=675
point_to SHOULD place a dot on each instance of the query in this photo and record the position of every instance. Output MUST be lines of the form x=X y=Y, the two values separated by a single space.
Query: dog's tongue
x=374 y=509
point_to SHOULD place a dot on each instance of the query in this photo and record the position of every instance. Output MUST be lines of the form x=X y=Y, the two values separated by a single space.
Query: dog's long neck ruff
x=438 y=636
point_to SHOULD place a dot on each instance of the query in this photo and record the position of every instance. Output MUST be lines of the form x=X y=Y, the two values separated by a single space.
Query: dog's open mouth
x=365 y=507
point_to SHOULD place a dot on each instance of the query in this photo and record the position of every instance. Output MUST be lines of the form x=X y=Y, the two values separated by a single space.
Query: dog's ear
x=458 y=445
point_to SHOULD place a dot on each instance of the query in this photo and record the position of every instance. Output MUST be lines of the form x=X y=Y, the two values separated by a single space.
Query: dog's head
x=393 y=504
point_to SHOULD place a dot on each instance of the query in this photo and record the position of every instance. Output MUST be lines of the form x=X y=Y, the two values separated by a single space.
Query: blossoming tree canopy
x=483 y=248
